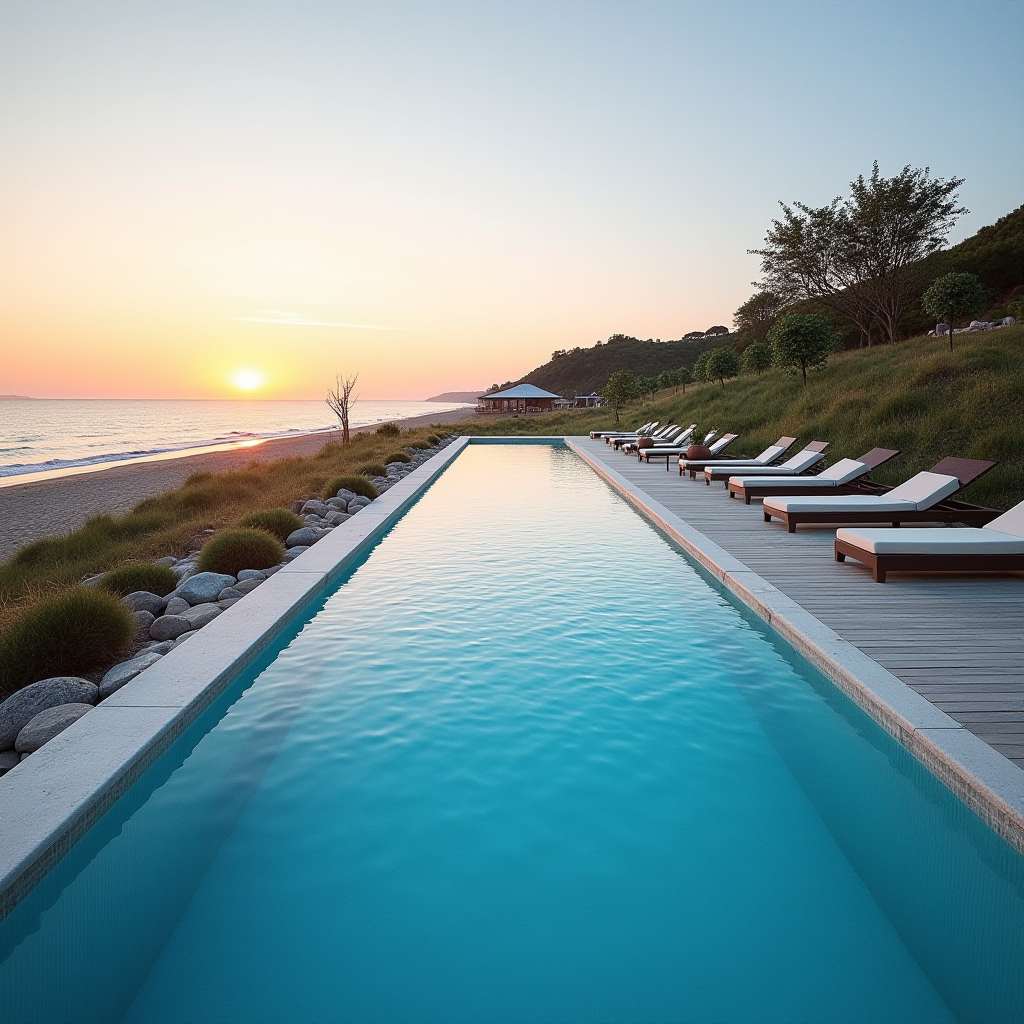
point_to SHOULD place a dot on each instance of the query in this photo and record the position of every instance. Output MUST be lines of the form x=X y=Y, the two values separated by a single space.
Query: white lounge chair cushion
x=843 y=472
x=766 y=456
x=809 y=483
x=925 y=489
x=931 y=541
x=839 y=503
x=1011 y=522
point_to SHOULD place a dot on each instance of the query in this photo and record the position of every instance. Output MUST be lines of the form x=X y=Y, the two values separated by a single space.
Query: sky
x=208 y=200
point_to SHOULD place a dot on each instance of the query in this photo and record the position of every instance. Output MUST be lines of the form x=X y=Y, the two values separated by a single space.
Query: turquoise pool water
x=526 y=765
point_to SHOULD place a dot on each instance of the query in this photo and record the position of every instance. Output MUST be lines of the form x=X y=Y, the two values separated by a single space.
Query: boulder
x=167 y=560
x=204 y=586
x=184 y=636
x=144 y=601
x=229 y=594
x=246 y=586
x=251 y=574
x=292 y=553
x=43 y=727
x=346 y=494
x=126 y=671
x=227 y=603
x=1009 y=321
x=338 y=504
x=297 y=506
x=143 y=620
x=169 y=627
x=22 y=706
x=157 y=648
x=337 y=518
x=200 y=615
x=314 y=506
x=302 y=537
x=184 y=569
x=270 y=572
x=361 y=501
x=8 y=759
x=353 y=509
x=176 y=605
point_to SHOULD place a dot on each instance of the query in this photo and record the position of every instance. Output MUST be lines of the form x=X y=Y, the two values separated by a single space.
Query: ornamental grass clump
x=69 y=634
x=397 y=457
x=389 y=430
x=373 y=469
x=278 y=522
x=234 y=550
x=133 y=576
x=355 y=484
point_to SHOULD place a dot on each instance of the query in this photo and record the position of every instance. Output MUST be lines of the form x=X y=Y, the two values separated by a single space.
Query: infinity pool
x=526 y=765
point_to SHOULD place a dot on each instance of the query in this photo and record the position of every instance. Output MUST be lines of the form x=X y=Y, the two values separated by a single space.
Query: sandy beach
x=45 y=508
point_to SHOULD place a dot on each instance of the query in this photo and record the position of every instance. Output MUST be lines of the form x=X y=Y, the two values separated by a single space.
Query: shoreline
x=53 y=502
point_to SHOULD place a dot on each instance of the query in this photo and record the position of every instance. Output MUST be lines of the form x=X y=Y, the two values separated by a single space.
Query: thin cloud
x=282 y=317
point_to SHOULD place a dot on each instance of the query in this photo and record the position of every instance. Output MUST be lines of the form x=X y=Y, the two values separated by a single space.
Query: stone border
x=51 y=800
x=990 y=784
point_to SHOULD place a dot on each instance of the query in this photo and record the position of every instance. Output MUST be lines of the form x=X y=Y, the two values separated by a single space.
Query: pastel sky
x=438 y=195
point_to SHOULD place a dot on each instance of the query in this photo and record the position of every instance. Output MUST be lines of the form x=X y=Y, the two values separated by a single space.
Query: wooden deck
x=956 y=639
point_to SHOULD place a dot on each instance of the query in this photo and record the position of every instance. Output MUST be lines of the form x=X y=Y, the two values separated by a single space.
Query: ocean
x=53 y=434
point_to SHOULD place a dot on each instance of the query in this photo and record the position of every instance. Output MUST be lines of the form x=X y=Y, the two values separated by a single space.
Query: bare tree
x=341 y=401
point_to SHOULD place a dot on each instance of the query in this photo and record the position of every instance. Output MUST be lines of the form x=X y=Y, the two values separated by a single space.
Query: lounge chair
x=719 y=469
x=667 y=438
x=662 y=445
x=595 y=434
x=767 y=456
x=618 y=442
x=842 y=478
x=997 y=547
x=921 y=499
x=694 y=465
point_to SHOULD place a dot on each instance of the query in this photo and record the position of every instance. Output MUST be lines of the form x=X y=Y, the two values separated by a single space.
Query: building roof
x=521 y=391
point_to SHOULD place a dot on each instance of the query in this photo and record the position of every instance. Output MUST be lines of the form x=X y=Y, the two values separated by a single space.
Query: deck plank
x=957 y=639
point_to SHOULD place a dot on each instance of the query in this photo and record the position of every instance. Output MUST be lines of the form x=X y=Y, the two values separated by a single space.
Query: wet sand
x=48 y=507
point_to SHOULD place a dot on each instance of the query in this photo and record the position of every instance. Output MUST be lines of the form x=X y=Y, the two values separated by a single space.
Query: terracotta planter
x=698 y=451
x=645 y=442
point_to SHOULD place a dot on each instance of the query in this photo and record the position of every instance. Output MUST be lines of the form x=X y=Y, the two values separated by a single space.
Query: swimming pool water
x=526 y=765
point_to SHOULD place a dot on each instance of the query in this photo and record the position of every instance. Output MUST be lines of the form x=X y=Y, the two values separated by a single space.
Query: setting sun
x=247 y=379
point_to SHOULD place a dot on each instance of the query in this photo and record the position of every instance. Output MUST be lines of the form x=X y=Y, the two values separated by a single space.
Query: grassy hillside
x=915 y=396
x=581 y=371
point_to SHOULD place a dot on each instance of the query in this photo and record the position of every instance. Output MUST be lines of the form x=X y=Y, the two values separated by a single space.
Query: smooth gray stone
x=346 y=494
x=247 y=586
x=340 y=504
x=316 y=506
x=43 y=727
x=227 y=603
x=170 y=627
x=337 y=518
x=204 y=586
x=361 y=501
x=144 y=601
x=167 y=560
x=297 y=506
x=184 y=569
x=292 y=553
x=157 y=648
x=184 y=636
x=274 y=568
x=312 y=520
x=91 y=581
x=8 y=759
x=230 y=594
x=143 y=620
x=252 y=574
x=23 y=756
x=176 y=605
x=200 y=615
x=23 y=705
x=353 y=509
x=126 y=671
x=301 y=538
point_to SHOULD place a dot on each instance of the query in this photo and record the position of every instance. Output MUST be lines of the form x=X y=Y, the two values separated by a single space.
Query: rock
x=204 y=586
x=297 y=506
x=176 y=605
x=316 y=506
x=23 y=705
x=200 y=615
x=8 y=759
x=379 y=482
x=229 y=594
x=143 y=620
x=1009 y=321
x=184 y=636
x=270 y=572
x=302 y=538
x=157 y=648
x=361 y=501
x=292 y=553
x=227 y=603
x=247 y=586
x=43 y=727
x=170 y=627
x=337 y=518
x=353 y=509
x=144 y=601
x=126 y=671
x=346 y=494
x=167 y=560
x=184 y=569
x=340 y=504
x=251 y=574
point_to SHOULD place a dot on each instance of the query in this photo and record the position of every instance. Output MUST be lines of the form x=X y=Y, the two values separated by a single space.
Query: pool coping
x=986 y=781
x=51 y=800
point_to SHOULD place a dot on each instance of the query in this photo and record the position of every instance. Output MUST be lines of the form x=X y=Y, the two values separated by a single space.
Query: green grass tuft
x=356 y=484
x=133 y=576
x=276 y=521
x=69 y=634
x=388 y=430
x=373 y=469
x=234 y=550
x=397 y=457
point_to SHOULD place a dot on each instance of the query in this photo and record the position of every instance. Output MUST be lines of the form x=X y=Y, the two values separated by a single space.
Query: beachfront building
x=520 y=399
x=591 y=401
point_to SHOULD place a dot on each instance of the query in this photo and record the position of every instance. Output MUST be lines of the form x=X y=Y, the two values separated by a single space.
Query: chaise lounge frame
x=880 y=564
x=872 y=459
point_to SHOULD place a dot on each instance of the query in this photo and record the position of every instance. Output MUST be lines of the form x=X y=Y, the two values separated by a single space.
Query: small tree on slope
x=954 y=297
x=721 y=363
x=622 y=387
x=757 y=357
x=802 y=340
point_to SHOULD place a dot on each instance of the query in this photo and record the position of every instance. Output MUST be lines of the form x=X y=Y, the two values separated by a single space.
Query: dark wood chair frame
x=872 y=459
x=724 y=472
x=668 y=453
x=698 y=465
x=880 y=564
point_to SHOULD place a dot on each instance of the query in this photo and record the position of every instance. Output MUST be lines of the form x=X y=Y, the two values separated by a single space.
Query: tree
x=954 y=297
x=622 y=387
x=341 y=400
x=722 y=363
x=693 y=335
x=758 y=314
x=804 y=340
x=681 y=378
x=757 y=357
x=716 y=332
x=700 y=366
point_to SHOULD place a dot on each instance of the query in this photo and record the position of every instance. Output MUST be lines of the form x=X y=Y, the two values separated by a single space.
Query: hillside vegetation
x=915 y=396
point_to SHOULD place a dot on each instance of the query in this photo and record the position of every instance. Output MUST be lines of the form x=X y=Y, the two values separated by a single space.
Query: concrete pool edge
x=986 y=781
x=52 y=800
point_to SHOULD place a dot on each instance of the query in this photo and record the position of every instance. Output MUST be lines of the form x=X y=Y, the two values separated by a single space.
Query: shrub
x=356 y=484
x=276 y=521
x=397 y=457
x=132 y=576
x=433 y=439
x=373 y=469
x=389 y=430
x=69 y=634
x=757 y=357
x=418 y=446
x=234 y=550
